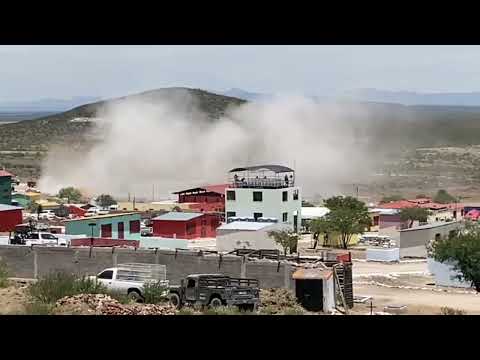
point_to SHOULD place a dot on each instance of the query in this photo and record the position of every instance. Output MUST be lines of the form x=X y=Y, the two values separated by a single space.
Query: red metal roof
x=219 y=189
x=5 y=173
x=401 y=204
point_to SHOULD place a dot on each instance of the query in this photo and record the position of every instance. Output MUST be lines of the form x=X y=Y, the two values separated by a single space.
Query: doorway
x=310 y=294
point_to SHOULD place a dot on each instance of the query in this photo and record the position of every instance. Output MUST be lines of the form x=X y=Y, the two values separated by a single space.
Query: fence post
x=243 y=267
x=35 y=265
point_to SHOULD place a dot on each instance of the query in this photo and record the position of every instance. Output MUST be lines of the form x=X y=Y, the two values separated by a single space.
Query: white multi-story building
x=263 y=193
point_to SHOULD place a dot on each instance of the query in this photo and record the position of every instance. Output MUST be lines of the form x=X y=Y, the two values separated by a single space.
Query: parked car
x=129 y=279
x=216 y=290
x=47 y=215
x=44 y=238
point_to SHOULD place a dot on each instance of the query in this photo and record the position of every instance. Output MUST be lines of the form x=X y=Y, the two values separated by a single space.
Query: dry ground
x=409 y=284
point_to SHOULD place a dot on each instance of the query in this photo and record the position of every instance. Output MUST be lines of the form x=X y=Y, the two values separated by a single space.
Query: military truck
x=216 y=290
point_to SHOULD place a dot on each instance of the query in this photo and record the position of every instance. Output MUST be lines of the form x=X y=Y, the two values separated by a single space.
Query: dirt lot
x=408 y=284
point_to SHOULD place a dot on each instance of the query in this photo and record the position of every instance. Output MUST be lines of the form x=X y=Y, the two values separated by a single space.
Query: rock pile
x=102 y=304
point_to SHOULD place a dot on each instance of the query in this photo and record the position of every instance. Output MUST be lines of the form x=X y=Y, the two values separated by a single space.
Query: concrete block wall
x=27 y=262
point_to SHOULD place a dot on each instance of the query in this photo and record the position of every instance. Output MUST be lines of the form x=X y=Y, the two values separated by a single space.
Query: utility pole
x=153 y=192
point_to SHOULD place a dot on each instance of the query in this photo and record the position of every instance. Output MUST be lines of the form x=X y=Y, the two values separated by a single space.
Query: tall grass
x=4 y=274
x=55 y=286
x=155 y=293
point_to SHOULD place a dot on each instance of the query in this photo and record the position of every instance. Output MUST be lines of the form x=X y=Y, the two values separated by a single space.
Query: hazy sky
x=34 y=72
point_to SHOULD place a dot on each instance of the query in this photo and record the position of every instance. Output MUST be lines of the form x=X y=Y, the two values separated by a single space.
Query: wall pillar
x=35 y=265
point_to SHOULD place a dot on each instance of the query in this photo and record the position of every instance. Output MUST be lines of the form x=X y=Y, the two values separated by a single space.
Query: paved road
x=371 y=268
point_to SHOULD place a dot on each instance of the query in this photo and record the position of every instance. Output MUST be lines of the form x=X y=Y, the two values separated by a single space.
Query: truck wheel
x=215 y=302
x=135 y=296
x=175 y=300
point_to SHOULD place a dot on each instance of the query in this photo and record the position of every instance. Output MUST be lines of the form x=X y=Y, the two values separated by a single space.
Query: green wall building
x=5 y=187
x=115 y=226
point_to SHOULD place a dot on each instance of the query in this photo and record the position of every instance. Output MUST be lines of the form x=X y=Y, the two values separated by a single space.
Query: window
x=295 y=195
x=48 y=237
x=285 y=217
x=33 y=236
x=107 y=274
x=191 y=283
x=438 y=237
x=106 y=231
x=285 y=196
x=231 y=195
x=257 y=196
x=257 y=215
x=134 y=226
x=231 y=214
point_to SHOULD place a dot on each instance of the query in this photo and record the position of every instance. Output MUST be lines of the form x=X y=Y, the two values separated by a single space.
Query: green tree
x=395 y=197
x=105 y=200
x=412 y=214
x=462 y=250
x=70 y=193
x=443 y=197
x=287 y=239
x=347 y=216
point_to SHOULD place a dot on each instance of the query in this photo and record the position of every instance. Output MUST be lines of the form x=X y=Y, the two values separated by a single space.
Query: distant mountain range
x=414 y=98
x=377 y=96
x=45 y=105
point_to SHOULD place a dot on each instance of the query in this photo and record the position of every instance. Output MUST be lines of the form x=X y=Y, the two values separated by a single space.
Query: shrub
x=3 y=274
x=186 y=311
x=55 y=286
x=223 y=310
x=122 y=298
x=155 y=292
x=451 y=311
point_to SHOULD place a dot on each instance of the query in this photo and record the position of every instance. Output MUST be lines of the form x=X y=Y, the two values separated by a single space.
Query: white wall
x=444 y=274
x=392 y=254
x=271 y=205
x=228 y=240
x=328 y=295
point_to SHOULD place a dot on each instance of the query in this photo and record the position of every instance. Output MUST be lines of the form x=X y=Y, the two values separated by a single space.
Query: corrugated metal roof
x=274 y=168
x=314 y=212
x=102 y=216
x=430 y=226
x=9 y=207
x=245 y=225
x=311 y=274
x=178 y=216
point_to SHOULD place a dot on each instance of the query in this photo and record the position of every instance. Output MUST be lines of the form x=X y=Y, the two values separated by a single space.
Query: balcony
x=262 y=177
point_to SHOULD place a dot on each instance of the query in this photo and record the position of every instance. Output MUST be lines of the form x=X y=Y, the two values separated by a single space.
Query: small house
x=314 y=288
x=116 y=226
x=185 y=225
x=10 y=216
x=6 y=185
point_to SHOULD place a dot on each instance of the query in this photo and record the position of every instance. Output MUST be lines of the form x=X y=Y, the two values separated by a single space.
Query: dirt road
x=373 y=268
x=418 y=301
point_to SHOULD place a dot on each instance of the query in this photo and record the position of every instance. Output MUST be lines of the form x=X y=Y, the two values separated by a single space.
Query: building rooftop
x=431 y=226
x=312 y=274
x=274 y=168
x=88 y=218
x=245 y=225
x=218 y=189
x=314 y=212
x=5 y=173
x=178 y=216
x=9 y=207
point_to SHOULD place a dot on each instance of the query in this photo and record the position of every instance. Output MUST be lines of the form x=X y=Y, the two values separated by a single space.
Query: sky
x=37 y=72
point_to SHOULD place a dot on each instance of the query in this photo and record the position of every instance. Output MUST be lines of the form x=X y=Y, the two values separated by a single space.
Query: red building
x=183 y=225
x=76 y=210
x=206 y=199
x=10 y=216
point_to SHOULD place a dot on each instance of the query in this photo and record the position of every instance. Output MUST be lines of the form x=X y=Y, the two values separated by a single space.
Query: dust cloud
x=152 y=149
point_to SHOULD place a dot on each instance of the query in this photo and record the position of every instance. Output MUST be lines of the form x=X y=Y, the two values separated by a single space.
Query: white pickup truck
x=44 y=238
x=130 y=278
